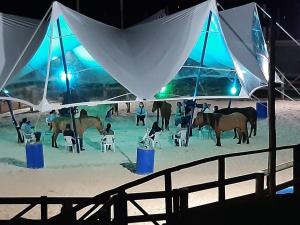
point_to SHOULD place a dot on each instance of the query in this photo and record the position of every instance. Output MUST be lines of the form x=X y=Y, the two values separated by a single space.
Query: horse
x=82 y=123
x=249 y=112
x=165 y=112
x=220 y=122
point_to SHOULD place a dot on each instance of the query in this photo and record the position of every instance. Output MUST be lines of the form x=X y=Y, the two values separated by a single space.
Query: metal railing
x=116 y=200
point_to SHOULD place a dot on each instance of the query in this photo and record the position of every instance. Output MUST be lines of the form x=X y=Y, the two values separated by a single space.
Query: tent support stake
x=67 y=84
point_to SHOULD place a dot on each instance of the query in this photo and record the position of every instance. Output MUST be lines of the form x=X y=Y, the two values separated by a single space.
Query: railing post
x=68 y=216
x=106 y=218
x=120 y=208
x=44 y=210
x=221 y=179
x=168 y=200
x=259 y=184
x=296 y=170
x=183 y=199
x=176 y=203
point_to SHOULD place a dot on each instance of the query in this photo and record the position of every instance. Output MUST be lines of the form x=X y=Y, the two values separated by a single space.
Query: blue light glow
x=233 y=90
x=63 y=76
x=54 y=58
x=5 y=91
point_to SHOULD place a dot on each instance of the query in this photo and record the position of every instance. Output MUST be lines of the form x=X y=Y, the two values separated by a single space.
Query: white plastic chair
x=69 y=142
x=108 y=141
x=181 y=137
x=28 y=138
x=155 y=142
x=205 y=132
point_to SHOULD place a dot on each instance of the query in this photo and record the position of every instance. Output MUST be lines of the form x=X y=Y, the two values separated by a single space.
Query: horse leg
x=54 y=138
x=234 y=130
x=81 y=142
x=240 y=135
x=167 y=123
x=162 y=122
x=218 y=137
x=255 y=127
x=246 y=135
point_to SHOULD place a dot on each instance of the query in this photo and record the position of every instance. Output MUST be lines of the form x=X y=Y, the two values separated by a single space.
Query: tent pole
x=229 y=103
x=77 y=5
x=122 y=13
x=20 y=137
x=271 y=107
x=197 y=80
x=67 y=84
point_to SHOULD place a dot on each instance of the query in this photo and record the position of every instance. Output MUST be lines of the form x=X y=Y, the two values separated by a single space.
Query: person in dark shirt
x=69 y=132
x=155 y=128
x=151 y=135
x=108 y=130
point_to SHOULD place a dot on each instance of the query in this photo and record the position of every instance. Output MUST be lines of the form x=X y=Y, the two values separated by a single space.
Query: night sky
x=137 y=10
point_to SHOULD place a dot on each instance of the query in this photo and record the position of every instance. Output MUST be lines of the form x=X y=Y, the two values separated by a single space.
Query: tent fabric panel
x=15 y=32
x=29 y=83
x=140 y=54
x=237 y=28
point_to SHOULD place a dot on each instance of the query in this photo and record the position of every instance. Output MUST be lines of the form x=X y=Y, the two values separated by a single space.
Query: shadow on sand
x=11 y=161
x=131 y=166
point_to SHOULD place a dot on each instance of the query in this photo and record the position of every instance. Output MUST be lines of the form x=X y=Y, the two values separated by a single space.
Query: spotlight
x=233 y=90
x=63 y=76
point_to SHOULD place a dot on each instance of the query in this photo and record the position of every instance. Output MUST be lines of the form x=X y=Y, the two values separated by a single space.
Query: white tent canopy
x=171 y=57
x=15 y=32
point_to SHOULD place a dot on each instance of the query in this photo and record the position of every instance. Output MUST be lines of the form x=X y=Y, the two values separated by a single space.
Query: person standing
x=140 y=114
x=179 y=114
x=50 y=118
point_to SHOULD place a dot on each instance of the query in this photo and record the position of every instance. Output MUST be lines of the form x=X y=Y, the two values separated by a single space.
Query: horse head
x=156 y=105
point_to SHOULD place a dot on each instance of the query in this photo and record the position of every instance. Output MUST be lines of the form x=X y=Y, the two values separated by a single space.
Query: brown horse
x=220 y=122
x=165 y=112
x=82 y=123
x=249 y=112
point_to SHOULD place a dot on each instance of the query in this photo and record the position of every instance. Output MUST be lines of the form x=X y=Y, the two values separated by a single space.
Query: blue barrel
x=34 y=156
x=144 y=161
x=262 y=110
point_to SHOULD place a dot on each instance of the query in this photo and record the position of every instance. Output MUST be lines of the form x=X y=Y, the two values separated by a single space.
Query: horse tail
x=255 y=123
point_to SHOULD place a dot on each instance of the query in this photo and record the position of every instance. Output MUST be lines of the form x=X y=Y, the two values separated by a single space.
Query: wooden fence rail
x=117 y=199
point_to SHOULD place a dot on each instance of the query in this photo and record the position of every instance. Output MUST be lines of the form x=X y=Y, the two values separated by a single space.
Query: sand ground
x=92 y=171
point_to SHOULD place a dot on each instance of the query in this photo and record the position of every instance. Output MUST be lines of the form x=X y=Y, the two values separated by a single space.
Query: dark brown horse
x=220 y=122
x=249 y=112
x=165 y=112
